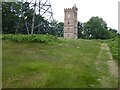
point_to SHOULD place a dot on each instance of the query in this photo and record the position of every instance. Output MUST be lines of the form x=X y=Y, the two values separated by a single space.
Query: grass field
x=64 y=64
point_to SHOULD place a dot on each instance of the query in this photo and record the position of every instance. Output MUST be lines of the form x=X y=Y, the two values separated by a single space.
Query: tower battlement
x=67 y=9
x=70 y=9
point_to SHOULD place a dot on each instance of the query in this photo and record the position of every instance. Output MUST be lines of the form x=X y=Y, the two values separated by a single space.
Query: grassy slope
x=69 y=63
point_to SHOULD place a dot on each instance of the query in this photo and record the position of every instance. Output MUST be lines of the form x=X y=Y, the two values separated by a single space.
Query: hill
x=66 y=64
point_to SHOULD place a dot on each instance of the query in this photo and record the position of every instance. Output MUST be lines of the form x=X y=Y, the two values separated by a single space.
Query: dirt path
x=111 y=62
x=105 y=59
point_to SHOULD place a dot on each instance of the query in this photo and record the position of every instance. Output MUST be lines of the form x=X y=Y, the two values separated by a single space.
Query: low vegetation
x=29 y=38
x=114 y=47
x=113 y=44
x=64 y=64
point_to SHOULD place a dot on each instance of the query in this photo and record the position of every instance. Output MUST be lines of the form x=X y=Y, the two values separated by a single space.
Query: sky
x=106 y=9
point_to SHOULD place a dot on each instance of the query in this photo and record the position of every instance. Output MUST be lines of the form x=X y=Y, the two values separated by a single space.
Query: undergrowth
x=29 y=38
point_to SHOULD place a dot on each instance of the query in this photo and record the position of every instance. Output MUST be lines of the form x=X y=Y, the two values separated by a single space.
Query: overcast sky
x=107 y=9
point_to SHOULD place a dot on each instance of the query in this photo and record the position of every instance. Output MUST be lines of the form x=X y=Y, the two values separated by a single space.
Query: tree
x=59 y=30
x=12 y=19
x=0 y=17
x=10 y=16
x=96 y=28
x=56 y=28
x=15 y=22
x=114 y=31
x=80 y=30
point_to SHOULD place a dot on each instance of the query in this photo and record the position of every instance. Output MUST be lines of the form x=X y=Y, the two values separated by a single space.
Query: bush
x=29 y=38
x=113 y=44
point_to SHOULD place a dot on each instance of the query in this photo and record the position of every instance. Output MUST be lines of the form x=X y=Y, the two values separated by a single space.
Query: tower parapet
x=73 y=8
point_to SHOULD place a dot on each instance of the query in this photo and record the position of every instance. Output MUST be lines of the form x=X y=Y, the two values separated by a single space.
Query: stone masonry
x=70 y=22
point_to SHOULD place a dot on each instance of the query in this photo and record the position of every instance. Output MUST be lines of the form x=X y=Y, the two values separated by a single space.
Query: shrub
x=29 y=38
x=113 y=44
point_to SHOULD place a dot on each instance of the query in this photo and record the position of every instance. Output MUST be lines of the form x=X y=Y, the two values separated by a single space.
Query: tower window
x=68 y=22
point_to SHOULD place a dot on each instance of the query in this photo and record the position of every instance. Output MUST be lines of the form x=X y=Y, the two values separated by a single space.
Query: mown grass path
x=64 y=64
x=112 y=64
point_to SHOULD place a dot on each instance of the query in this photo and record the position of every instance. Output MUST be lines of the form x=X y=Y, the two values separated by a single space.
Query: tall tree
x=11 y=13
x=60 y=27
x=56 y=28
x=80 y=30
x=10 y=16
x=96 y=28
x=14 y=18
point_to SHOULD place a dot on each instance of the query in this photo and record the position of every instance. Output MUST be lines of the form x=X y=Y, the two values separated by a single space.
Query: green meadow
x=72 y=63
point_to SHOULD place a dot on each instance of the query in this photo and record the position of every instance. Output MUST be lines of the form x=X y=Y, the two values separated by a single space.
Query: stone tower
x=70 y=22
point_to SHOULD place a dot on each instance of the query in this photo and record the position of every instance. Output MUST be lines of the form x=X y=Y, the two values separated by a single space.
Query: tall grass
x=114 y=47
x=65 y=64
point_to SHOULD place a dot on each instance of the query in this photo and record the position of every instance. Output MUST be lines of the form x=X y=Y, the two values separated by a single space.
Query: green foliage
x=113 y=31
x=80 y=30
x=29 y=38
x=113 y=45
x=95 y=28
x=56 y=28
x=10 y=16
x=14 y=21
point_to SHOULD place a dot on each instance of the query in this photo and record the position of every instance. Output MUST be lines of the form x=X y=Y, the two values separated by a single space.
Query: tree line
x=95 y=28
x=11 y=17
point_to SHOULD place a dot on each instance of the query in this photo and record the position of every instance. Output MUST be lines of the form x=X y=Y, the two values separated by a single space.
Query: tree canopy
x=14 y=22
x=9 y=16
x=96 y=28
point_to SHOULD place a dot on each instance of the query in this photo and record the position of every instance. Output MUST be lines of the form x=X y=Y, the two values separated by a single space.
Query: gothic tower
x=70 y=22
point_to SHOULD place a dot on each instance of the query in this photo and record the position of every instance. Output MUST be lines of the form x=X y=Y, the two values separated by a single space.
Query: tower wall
x=70 y=23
